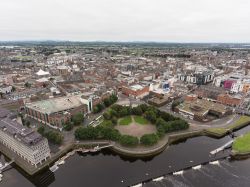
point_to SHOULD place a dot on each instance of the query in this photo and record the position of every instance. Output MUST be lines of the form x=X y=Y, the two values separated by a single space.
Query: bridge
x=227 y=145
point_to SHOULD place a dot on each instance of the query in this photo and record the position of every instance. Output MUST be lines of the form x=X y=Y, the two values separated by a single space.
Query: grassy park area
x=128 y=125
x=242 y=144
x=241 y=122
x=141 y=120
x=125 y=120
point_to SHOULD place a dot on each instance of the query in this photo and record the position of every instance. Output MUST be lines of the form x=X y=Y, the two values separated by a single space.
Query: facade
x=23 y=141
x=197 y=78
x=56 y=111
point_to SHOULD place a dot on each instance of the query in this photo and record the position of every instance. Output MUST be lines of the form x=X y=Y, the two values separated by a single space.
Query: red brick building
x=228 y=100
x=136 y=91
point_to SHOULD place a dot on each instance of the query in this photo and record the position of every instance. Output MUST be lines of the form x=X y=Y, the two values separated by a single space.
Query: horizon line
x=120 y=41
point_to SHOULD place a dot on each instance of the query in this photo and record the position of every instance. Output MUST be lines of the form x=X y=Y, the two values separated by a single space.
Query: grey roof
x=23 y=134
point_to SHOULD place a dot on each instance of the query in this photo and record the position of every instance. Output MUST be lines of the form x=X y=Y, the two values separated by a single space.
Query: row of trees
x=106 y=133
x=106 y=103
x=52 y=136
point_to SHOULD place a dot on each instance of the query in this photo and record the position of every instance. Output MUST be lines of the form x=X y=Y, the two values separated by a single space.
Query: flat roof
x=54 y=105
x=136 y=87
x=201 y=107
x=23 y=134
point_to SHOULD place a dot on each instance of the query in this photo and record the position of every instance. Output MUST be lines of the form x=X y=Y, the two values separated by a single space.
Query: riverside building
x=24 y=142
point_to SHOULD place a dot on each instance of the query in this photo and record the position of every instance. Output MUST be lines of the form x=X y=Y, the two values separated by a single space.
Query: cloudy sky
x=126 y=20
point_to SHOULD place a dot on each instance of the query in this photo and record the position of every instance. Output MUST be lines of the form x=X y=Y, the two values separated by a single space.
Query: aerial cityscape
x=96 y=103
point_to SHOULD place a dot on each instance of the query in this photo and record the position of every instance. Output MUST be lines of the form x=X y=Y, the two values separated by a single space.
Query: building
x=209 y=91
x=199 y=78
x=201 y=109
x=42 y=73
x=136 y=91
x=230 y=100
x=23 y=141
x=56 y=111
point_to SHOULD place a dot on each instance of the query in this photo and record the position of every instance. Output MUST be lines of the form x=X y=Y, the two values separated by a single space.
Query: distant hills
x=124 y=44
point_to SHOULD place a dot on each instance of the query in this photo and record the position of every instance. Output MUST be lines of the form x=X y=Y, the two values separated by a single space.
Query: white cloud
x=126 y=20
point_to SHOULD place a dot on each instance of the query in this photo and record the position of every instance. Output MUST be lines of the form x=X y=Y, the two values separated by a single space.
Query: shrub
x=149 y=139
x=129 y=140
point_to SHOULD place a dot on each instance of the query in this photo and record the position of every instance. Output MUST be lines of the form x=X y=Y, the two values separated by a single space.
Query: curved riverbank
x=241 y=147
x=145 y=151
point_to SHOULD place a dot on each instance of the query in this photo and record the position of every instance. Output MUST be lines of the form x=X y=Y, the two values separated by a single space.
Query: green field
x=125 y=121
x=242 y=144
x=140 y=120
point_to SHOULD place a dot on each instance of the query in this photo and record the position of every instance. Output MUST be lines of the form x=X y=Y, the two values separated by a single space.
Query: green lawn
x=217 y=130
x=125 y=121
x=242 y=144
x=141 y=120
x=241 y=121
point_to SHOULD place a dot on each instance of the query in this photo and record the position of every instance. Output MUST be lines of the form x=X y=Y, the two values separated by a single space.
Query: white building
x=23 y=141
x=237 y=87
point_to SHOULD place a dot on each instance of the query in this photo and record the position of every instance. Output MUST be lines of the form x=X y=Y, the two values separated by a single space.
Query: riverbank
x=136 y=152
x=241 y=147
x=220 y=132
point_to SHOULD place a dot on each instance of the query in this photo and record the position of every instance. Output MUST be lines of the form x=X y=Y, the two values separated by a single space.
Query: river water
x=106 y=169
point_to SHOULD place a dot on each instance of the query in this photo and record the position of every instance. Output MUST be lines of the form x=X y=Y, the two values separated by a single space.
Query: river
x=106 y=169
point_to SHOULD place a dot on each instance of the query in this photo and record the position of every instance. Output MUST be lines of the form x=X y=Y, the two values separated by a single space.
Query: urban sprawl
x=48 y=91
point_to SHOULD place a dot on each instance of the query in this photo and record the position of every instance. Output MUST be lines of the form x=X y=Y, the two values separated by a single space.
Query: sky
x=126 y=20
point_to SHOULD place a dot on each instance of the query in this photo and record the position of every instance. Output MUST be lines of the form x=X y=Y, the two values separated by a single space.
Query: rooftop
x=201 y=107
x=55 y=104
x=21 y=133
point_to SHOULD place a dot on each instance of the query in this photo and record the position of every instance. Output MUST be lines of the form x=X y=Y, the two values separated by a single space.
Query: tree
x=96 y=110
x=160 y=122
x=41 y=130
x=108 y=133
x=149 y=139
x=27 y=85
x=54 y=137
x=160 y=131
x=151 y=116
x=107 y=102
x=86 y=133
x=143 y=107
x=13 y=89
x=128 y=140
x=27 y=123
x=114 y=120
x=68 y=126
x=175 y=104
x=77 y=119
x=137 y=111
x=107 y=115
